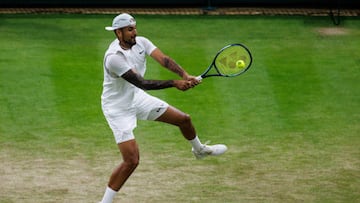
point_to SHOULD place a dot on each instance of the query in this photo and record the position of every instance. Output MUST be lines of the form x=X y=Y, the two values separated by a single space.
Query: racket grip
x=199 y=78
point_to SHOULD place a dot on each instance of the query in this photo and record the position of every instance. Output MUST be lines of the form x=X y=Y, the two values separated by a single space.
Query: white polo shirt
x=117 y=92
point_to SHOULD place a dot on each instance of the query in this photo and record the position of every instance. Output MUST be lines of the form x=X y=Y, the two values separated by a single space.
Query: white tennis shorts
x=123 y=121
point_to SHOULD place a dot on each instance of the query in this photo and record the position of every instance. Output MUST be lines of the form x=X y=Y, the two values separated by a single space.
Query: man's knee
x=131 y=162
x=185 y=119
x=130 y=154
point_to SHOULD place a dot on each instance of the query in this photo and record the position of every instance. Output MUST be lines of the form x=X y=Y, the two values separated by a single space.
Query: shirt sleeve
x=117 y=64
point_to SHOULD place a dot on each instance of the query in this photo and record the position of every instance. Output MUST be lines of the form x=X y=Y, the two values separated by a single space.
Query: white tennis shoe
x=212 y=150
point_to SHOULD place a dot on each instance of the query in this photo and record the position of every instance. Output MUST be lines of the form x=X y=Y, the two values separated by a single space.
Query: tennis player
x=124 y=99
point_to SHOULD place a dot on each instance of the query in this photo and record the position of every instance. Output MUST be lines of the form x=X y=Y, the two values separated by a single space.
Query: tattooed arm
x=170 y=64
x=137 y=80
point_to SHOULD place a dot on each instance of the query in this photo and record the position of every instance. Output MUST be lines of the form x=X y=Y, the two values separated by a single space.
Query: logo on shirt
x=141 y=52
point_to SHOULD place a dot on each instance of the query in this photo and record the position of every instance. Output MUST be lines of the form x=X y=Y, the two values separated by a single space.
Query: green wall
x=174 y=3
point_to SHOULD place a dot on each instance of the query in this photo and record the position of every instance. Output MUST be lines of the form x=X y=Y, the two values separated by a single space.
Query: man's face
x=128 y=35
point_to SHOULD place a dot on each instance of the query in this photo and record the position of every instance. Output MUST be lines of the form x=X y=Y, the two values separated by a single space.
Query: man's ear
x=118 y=33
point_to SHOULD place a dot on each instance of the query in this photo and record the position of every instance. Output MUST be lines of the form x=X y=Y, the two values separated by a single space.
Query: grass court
x=292 y=122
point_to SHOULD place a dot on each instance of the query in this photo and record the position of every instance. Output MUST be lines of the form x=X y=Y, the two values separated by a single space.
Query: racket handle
x=199 y=78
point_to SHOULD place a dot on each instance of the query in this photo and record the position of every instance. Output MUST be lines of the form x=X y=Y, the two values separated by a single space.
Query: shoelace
x=205 y=144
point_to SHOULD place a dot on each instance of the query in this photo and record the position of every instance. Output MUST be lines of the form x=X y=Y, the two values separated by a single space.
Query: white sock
x=196 y=144
x=109 y=195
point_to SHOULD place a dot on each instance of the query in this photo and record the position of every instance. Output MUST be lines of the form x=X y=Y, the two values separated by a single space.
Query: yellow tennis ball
x=240 y=64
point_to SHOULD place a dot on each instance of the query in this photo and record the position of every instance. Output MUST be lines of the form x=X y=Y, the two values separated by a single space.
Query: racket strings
x=226 y=61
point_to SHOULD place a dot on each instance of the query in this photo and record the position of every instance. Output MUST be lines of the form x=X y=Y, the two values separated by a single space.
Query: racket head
x=225 y=61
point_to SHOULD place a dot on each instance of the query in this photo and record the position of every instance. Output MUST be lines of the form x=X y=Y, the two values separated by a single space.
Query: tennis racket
x=230 y=61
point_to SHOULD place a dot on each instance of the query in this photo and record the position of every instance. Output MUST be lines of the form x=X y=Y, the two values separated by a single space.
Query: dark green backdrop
x=176 y=3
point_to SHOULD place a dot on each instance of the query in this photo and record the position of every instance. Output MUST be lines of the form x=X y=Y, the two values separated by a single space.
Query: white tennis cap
x=120 y=21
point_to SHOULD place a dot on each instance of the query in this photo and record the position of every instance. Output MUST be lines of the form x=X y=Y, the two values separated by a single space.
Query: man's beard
x=130 y=42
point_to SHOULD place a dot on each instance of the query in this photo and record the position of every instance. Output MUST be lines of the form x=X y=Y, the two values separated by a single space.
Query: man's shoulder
x=145 y=44
x=141 y=39
x=114 y=46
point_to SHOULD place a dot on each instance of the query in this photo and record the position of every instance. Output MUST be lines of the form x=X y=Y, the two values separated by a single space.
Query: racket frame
x=213 y=65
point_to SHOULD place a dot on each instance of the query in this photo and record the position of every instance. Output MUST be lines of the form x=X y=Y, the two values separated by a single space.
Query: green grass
x=292 y=123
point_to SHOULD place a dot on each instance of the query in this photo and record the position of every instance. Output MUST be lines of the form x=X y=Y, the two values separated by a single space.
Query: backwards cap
x=120 y=21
